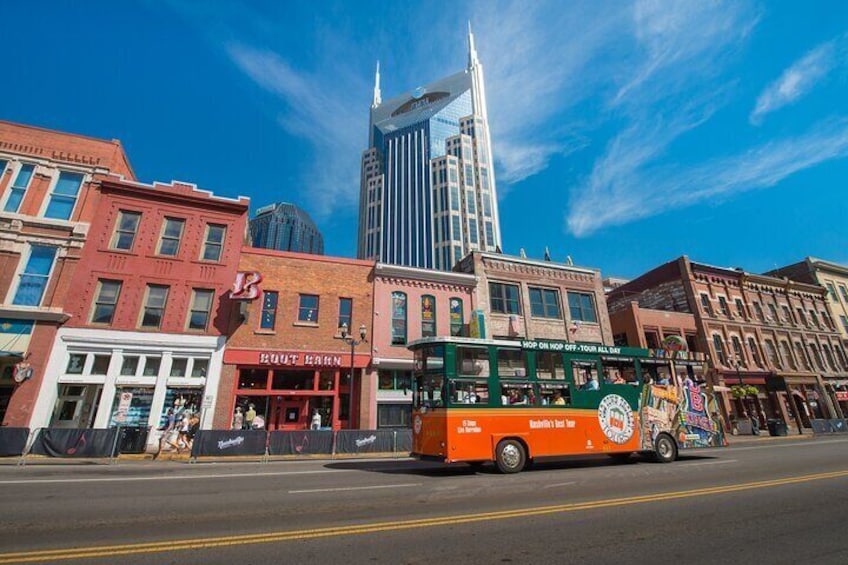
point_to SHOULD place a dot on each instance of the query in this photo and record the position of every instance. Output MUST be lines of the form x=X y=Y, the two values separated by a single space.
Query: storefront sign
x=842 y=395
x=300 y=359
x=246 y=286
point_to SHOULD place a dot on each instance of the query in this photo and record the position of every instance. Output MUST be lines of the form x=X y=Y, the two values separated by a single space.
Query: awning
x=17 y=354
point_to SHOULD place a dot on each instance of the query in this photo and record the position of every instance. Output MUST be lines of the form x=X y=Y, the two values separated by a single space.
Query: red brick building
x=48 y=200
x=765 y=337
x=285 y=355
x=149 y=312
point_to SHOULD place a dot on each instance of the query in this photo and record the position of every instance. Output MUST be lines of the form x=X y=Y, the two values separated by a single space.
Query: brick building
x=527 y=298
x=761 y=333
x=285 y=355
x=834 y=278
x=410 y=303
x=47 y=203
x=149 y=313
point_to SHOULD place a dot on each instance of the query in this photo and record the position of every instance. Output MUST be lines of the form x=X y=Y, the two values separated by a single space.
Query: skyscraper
x=427 y=193
x=285 y=227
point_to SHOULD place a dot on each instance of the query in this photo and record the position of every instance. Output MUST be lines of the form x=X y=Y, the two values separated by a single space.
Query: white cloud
x=796 y=81
x=629 y=193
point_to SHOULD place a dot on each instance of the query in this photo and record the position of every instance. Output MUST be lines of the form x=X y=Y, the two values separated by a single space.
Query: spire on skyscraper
x=377 y=100
x=472 y=51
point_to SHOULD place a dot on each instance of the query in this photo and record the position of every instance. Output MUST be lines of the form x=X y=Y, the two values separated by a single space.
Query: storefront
x=289 y=390
x=102 y=379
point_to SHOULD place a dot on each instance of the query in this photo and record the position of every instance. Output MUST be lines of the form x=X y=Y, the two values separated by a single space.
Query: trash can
x=777 y=427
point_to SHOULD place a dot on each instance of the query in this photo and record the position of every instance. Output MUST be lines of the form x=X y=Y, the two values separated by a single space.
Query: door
x=76 y=406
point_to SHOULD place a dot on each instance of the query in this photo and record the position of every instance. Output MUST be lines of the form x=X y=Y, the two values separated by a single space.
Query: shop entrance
x=76 y=406
x=289 y=413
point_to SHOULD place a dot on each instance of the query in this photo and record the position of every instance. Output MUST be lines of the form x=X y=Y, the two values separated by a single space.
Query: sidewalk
x=765 y=438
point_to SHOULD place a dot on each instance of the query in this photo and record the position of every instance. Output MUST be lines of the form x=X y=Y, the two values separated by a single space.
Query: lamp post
x=353 y=342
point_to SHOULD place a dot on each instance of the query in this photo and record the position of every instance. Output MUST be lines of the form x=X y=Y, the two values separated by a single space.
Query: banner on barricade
x=75 y=442
x=365 y=441
x=221 y=443
x=13 y=441
x=404 y=441
x=302 y=442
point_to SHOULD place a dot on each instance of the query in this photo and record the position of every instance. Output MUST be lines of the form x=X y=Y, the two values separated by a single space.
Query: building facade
x=526 y=298
x=148 y=315
x=48 y=201
x=285 y=227
x=428 y=193
x=771 y=350
x=834 y=278
x=285 y=355
x=409 y=304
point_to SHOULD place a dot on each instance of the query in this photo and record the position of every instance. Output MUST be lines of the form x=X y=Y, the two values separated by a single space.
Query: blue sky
x=625 y=134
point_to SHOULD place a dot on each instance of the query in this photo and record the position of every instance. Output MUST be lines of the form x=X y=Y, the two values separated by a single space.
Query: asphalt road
x=777 y=502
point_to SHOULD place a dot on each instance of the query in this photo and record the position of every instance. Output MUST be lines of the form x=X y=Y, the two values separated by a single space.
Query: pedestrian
x=316 y=421
x=167 y=429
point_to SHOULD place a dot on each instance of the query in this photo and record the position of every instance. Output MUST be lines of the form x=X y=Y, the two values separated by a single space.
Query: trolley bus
x=512 y=402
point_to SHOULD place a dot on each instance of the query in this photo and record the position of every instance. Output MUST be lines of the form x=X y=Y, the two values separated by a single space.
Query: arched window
x=456 y=320
x=398 y=318
x=428 y=316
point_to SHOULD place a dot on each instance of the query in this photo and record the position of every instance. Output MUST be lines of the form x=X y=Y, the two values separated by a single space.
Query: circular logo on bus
x=616 y=418
x=416 y=425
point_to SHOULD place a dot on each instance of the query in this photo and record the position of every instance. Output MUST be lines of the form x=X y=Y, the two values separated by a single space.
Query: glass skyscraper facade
x=427 y=194
x=285 y=227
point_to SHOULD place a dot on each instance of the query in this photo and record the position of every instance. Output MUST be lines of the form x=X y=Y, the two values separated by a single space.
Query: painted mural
x=687 y=411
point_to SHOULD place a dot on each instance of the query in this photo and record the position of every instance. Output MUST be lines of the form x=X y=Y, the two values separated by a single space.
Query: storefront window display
x=131 y=406
x=182 y=401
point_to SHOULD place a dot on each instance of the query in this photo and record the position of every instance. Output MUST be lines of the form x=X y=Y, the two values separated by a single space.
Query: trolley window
x=619 y=371
x=585 y=375
x=518 y=393
x=472 y=361
x=555 y=394
x=549 y=365
x=428 y=393
x=511 y=363
x=469 y=391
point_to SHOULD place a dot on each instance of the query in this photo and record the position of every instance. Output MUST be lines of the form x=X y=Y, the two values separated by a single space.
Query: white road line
x=168 y=477
x=722 y=462
x=342 y=489
x=799 y=443
x=561 y=484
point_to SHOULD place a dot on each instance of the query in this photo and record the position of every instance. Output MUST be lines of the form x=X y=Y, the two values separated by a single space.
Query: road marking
x=343 y=489
x=721 y=462
x=561 y=484
x=230 y=541
x=170 y=477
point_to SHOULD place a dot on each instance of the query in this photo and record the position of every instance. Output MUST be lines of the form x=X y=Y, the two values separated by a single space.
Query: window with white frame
x=169 y=240
x=64 y=196
x=19 y=186
x=213 y=242
x=201 y=307
x=105 y=302
x=125 y=230
x=32 y=281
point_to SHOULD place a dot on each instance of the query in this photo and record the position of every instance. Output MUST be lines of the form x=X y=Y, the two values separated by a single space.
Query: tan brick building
x=285 y=355
x=527 y=298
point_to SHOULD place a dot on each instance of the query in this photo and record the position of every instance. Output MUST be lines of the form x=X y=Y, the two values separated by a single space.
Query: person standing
x=316 y=420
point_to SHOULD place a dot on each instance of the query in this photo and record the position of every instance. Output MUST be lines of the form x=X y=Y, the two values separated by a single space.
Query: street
x=773 y=501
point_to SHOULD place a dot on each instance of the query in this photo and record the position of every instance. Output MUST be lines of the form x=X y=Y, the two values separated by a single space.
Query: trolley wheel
x=665 y=449
x=510 y=456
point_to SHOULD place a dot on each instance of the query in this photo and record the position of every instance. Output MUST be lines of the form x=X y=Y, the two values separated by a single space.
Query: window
x=803 y=359
x=844 y=321
x=582 y=307
x=105 y=301
x=802 y=318
x=125 y=230
x=268 y=318
x=840 y=353
x=129 y=365
x=169 y=241
x=504 y=299
x=722 y=304
x=472 y=361
x=718 y=345
x=737 y=349
x=200 y=367
x=771 y=353
x=786 y=353
x=652 y=340
x=154 y=306
x=814 y=318
x=740 y=308
x=345 y=313
x=787 y=313
x=201 y=307
x=511 y=363
x=518 y=393
x=398 y=318
x=585 y=375
x=456 y=320
x=549 y=365
x=831 y=290
x=428 y=316
x=394 y=415
x=33 y=280
x=844 y=292
x=773 y=317
x=64 y=196
x=816 y=356
x=705 y=304
x=151 y=366
x=828 y=357
x=544 y=303
x=308 y=309
x=213 y=242
x=555 y=394
x=827 y=320
x=19 y=186
x=394 y=380
x=468 y=391
x=758 y=310
x=76 y=363
x=179 y=366
x=754 y=350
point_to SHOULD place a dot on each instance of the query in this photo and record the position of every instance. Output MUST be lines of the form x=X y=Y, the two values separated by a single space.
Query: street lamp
x=353 y=342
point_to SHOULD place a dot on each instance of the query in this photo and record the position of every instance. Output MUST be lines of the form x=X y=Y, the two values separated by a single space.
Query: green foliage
x=741 y=391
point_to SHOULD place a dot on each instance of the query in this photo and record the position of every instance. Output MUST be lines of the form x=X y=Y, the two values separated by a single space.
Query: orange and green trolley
x=511 y=402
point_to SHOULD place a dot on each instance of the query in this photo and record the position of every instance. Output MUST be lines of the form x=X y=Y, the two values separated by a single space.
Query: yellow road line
x=269 y=537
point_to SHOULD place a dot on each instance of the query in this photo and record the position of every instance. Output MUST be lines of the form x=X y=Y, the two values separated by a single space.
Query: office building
x=285 y=227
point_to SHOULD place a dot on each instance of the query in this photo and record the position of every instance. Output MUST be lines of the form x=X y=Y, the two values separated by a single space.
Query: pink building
x=409 y=304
